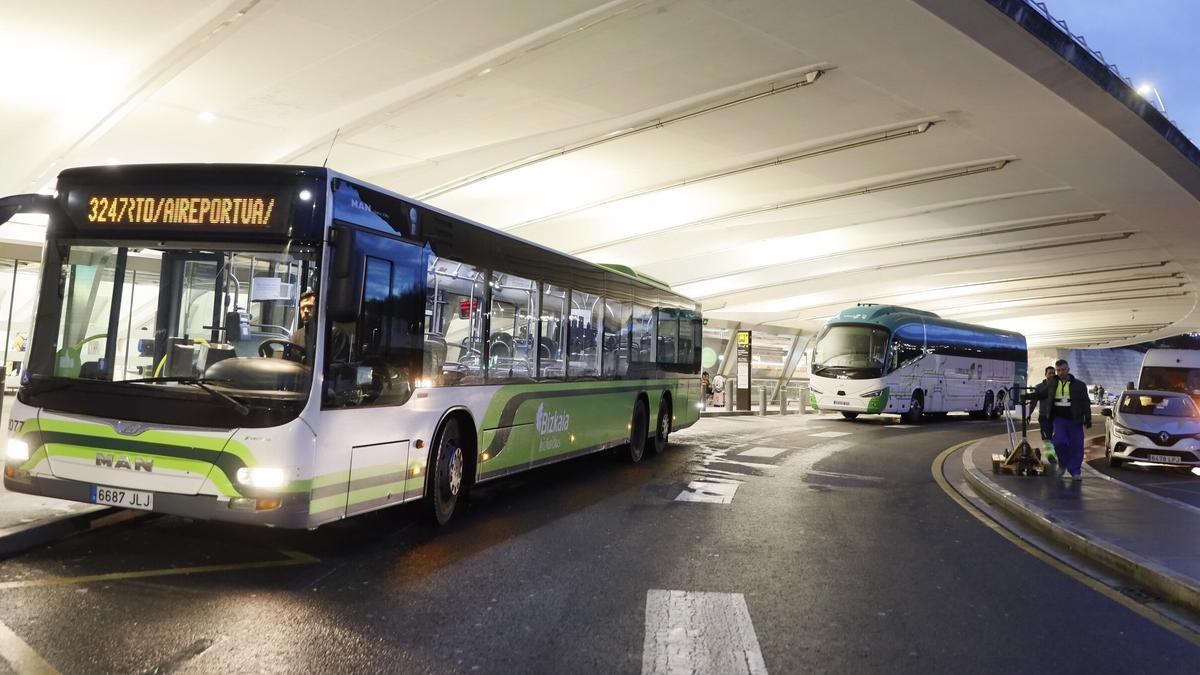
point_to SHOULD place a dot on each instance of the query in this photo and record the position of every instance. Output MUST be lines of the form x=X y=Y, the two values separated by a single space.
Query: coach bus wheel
x=662 y=431
x=915 y=407
x=447 y=476
x=639 y=429
x=849 y=415
x=989 y=407
x=998 y=408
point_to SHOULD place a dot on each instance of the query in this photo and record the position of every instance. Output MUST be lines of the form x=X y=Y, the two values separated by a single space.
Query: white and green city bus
x=889 y=359
x=166 y=371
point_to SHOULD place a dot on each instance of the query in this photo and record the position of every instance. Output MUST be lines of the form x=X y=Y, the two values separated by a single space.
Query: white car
x=1153 y=427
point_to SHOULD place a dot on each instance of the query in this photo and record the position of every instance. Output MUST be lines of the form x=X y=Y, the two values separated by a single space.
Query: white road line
x=708 y=492
x=21 y=656
x=762 y=452
x=831 y=434
x=717 y=472
x=900 y=426
x=849 y=476
x=695 y=632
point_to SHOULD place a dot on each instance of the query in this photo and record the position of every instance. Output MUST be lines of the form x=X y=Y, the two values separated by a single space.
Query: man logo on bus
x=551 y=422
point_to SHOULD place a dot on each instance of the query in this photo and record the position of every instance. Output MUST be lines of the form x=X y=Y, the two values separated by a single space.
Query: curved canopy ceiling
x=777 y=160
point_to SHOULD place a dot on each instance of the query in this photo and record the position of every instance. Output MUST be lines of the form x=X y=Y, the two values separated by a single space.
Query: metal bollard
x=730 y=394
x=762 y=401
x=804 y=394
x=782 y=402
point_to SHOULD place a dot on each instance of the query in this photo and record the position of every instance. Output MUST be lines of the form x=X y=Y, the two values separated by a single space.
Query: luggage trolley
x=1022 y=458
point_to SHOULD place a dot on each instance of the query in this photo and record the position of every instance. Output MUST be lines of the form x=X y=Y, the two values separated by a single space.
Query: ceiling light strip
x=891 y=134
x=1088 y=302
x=1100 y=239
x=1074 y=294
x=969 y=170
x=898 y=298
x=806 y=79
x=941 y=239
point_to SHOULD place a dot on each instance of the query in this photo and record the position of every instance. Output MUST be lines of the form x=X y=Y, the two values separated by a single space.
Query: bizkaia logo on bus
x=551 y=422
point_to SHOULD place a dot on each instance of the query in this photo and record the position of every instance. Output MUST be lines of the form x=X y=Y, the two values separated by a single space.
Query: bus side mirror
x=342 y=304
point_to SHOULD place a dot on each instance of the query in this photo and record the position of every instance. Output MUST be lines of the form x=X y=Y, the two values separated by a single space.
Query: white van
x=1171 y=370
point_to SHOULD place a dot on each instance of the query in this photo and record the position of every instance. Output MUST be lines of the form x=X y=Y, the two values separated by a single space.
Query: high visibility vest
x=1062 y=396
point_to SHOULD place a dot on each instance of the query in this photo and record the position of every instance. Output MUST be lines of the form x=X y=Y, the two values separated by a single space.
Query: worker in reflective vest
x=1070 y=412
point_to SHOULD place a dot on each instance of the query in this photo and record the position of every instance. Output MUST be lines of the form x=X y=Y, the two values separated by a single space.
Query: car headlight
x=872 y=394
x=261 y=477
x=1121 y=428
x=17 y=450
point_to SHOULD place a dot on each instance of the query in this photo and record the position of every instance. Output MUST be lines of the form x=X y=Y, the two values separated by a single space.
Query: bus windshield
x=176 y=321
x=854 y=351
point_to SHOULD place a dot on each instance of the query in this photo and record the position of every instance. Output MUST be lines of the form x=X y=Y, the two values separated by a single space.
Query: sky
x=1151 y=42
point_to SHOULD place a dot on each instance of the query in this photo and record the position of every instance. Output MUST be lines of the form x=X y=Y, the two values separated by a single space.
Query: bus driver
x=339 y=343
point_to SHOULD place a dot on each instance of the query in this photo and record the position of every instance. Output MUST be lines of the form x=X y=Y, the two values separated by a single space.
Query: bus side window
x=552 y=335
x=642 y=349
x=453 y=349
x=616 y=338
x=668 y=335
x=511 y=350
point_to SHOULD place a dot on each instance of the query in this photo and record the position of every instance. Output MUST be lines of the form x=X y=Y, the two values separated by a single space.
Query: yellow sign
x=743 y=338
x=181 y=210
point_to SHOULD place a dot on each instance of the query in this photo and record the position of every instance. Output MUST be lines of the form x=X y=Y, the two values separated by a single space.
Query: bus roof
x=891 y=316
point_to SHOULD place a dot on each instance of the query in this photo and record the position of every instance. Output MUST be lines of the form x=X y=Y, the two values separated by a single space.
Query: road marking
x=762 y=452
x=899 y=426
x=847 y=476
x=708 y=492
x=695 y=632
x=292 y=558
x=831 y=434
x=1095 y=584
x=20 y=656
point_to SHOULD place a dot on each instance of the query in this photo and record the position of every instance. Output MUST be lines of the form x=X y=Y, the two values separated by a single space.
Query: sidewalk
x=1149 y=538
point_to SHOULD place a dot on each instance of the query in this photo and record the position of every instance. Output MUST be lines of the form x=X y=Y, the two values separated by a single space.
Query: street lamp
x=1146 y=89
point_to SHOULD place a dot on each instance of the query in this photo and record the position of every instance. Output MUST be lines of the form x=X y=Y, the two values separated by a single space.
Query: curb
x=19 y=539
x=1167 y=583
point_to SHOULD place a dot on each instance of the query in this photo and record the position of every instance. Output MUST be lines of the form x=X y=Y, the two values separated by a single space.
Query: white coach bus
x=888 y=359
x=167 y=371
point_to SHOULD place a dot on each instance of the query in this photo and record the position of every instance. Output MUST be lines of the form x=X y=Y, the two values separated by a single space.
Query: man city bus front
x=161 y=373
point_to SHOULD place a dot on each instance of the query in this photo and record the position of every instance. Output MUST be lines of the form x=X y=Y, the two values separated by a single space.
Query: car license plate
x=129 y=499
x=837 y=402
x=1163 y=459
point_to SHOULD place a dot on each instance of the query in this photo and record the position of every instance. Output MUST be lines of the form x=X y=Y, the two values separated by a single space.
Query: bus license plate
x=838 y=402
x=129 y=499
x=1163 y=459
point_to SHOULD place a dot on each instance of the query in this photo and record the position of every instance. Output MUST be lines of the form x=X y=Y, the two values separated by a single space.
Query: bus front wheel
x=449 y=464
x=915 y=408
x=849 y=415
x=639 y=430
x=662 y=431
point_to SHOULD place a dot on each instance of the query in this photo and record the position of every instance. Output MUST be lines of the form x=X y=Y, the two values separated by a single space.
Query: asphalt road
x=799 y=544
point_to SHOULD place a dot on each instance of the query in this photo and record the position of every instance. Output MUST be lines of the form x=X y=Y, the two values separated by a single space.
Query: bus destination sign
x=234 y=211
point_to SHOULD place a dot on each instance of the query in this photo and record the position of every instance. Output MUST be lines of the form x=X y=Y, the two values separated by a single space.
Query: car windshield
x=155 y=314
x=851 y=350
x=1159 y=405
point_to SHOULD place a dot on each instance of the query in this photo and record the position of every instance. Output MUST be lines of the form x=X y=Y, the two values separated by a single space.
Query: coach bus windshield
x=172 y=332
x=852 y=351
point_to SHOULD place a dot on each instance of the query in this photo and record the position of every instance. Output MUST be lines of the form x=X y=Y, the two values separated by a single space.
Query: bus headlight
x=261 y=477
x=17 y=450
x=872 y=394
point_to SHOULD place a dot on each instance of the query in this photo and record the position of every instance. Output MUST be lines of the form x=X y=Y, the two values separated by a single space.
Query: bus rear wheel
x=916 y=407
x=662 y=431
x=447 y=479
x=639 y=430
x=849 y=415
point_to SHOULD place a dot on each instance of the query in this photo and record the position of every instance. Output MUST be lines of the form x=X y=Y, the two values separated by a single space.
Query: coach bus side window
x=511 y=350
x=642 y=349
x=453 y=323
x=552 y=340
x=906 y=346
x=587 y=313
x=616 y=338
x=668 y=335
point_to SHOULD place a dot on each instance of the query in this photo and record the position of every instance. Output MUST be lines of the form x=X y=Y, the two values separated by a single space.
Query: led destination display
x=250 y=211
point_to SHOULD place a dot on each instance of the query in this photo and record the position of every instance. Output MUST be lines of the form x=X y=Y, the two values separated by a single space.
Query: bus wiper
x=201 y=382
x=819 y=369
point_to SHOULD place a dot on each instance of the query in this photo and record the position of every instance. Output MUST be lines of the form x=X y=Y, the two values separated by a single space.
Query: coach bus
x=168 y=370
x=888 y=359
